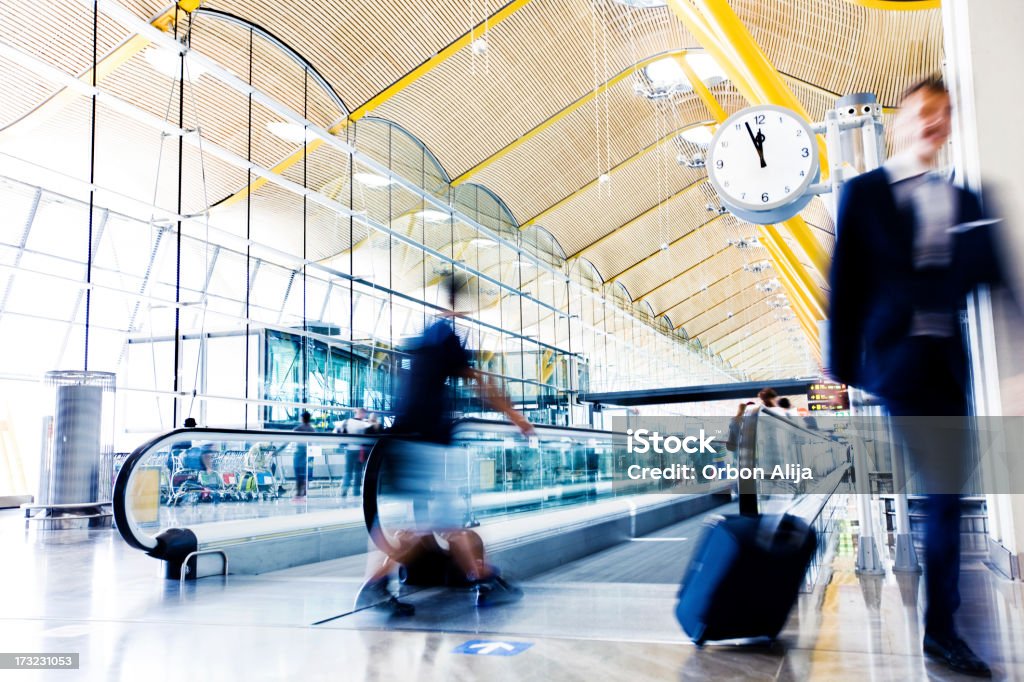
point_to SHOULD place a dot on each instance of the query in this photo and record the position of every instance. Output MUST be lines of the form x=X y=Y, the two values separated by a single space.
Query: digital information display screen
x=827 y=397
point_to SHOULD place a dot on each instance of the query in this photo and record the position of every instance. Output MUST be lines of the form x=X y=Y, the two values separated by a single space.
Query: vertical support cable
x=306 y=345
x=177 y=248
x=351 y=270
x=248 y=245
x=391 y=271
x=92 y=181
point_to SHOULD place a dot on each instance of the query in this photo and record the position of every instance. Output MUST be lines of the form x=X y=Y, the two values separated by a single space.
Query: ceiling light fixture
x=168 y=63
x=429 y=215
x=662 y=78
x=758 y=266
x=479 y=47
x=289 y=131
x=698 y=135
x=372 y=180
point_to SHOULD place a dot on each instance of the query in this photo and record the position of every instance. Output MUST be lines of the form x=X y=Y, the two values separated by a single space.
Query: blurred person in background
x=424 y=421
x=300 y=460
x=767 y=396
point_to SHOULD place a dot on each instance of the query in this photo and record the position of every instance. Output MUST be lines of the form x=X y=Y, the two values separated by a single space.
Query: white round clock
x=761 y=162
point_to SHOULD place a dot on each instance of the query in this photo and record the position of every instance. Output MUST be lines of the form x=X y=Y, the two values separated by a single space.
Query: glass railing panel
x=796 y=462
x=197 y=476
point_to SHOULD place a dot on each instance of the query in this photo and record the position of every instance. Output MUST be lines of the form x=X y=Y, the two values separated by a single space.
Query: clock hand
x=758 y=142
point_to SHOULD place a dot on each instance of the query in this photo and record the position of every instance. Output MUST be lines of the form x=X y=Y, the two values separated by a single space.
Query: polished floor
x=605 y=617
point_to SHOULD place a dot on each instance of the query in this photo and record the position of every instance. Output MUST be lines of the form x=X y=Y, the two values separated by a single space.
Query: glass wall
x=237 y=250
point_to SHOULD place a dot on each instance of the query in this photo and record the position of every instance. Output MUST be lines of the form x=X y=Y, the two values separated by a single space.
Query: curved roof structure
x=556 y=114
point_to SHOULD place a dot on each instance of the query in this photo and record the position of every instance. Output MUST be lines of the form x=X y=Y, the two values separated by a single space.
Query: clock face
x=762 y=158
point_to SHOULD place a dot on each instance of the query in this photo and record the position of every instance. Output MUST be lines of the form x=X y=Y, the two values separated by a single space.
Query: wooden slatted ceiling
x=539 y=61
x=534 y=175
x=683 y=282
x=23 y=91
x=710 y=240
x=667 y=223
x=719 y=292
x=362 y=46
x=598 y=210
x=58 y=32
x=844 y=48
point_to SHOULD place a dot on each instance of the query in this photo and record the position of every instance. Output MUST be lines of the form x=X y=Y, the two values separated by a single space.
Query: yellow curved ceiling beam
x=562 y=113
x=104 y=67
x=701 y=89
x=898 y=5
x=723 y=35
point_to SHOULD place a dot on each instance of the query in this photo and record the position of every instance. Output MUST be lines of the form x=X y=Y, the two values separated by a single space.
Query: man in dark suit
x=899 y=277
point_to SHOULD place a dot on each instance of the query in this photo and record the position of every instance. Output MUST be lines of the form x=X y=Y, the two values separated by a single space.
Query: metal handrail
x=126 y=524
x=188 y=557
x=748 y=454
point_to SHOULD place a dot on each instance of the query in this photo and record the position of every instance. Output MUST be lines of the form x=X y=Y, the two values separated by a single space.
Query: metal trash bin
x=75 y=474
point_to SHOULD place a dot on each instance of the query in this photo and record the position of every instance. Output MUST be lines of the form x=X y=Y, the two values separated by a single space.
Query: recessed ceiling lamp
x=483 y=243
x=745 y=242
x=429 y=215
x=698 y=135
x=759 y=266
x=706 y=68
x=372 y=180
x=289 y=131
x=168 y=62
x=662 y=78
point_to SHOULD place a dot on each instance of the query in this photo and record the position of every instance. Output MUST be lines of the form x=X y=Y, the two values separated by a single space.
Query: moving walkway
x=537 y=502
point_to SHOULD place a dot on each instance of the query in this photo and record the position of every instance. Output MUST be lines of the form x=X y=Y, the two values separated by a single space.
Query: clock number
x=799 y=132
x=719 y=164
x=759 y=120
x=725 y=143
x=805 y=152
x=739 y=127
x=802 y=174
x=743 y=195
x=786 y=189
x=764 y=198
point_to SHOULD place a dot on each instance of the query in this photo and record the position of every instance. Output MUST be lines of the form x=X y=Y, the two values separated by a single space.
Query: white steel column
x=982 y=41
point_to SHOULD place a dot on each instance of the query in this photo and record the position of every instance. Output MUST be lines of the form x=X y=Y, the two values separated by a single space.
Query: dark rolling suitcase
x=744 y=577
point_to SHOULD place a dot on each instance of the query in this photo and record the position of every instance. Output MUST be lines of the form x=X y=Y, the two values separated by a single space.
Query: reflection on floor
x=606 y=617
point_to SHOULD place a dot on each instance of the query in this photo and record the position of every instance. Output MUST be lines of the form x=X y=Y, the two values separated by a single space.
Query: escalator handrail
x=748 y=454
x=136 y=538
x=125 y=521
x=375 y=461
